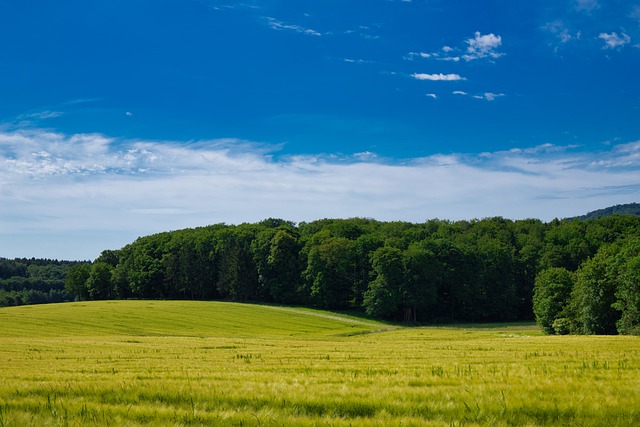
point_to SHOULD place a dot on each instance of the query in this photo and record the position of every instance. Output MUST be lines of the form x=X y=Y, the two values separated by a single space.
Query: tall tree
x=419 y=286
x=284 y=266
x=627 y=275
x=551 y=296
x=76 y=281
x=594 y=295
x=330 y=272
x=99 y=282
x=384 y=296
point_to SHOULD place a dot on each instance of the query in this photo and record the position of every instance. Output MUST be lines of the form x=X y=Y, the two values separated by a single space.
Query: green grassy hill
x=175 y=318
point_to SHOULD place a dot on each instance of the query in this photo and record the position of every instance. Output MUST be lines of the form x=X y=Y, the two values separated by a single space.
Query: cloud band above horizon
x=52 y=184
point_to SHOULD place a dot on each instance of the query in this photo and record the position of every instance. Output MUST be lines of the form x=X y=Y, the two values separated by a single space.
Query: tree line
x=484 y=270
x=33 y=281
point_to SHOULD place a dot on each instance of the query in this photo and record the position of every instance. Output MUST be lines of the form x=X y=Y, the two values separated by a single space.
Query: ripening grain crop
x=157 y=363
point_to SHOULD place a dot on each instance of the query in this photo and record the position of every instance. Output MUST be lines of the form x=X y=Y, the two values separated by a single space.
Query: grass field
x=157 y=363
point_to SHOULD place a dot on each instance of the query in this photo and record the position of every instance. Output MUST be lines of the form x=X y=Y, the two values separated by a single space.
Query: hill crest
x=624 y=209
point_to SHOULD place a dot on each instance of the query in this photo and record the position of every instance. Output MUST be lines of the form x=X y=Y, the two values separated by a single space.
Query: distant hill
x=626 y=209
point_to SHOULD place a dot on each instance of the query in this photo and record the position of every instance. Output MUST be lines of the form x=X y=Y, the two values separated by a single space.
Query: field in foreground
x=206 y=363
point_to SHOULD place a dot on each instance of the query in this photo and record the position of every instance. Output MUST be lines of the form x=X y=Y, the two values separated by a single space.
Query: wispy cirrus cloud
x=590 y=22
x=33 y=118
x=489 y=96
x=563 y=34
x=438 y=56
x=635 y=13
x=279 y=25
x=41 y=115
x=226 y=5
x=587 y=5
x=438 y=77
x=75 y=192
x=357 y=61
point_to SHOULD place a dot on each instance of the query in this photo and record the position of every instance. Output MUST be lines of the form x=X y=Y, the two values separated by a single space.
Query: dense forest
x=33 y=281
x=572 y=276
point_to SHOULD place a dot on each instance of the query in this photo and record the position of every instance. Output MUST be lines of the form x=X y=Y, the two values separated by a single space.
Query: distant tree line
x=626 y=209
x=33 y=281
x=572 y=276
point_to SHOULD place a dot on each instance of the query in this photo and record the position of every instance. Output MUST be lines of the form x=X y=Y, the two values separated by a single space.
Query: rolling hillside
x=182 y=363
x=175 y=318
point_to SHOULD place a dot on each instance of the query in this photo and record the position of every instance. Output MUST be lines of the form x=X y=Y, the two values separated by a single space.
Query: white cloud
x=614 y=40
x=357 y=61
x=279 y=25
x=459 y=92
x=437 y=77
x=71 y=196
x=478 y=47
x=432 y=95
x=488 y=96
x=492 y=96
x=483 y=46
x=412 y=55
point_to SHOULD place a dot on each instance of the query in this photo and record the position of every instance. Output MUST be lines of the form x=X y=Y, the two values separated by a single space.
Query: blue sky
x=124 y=118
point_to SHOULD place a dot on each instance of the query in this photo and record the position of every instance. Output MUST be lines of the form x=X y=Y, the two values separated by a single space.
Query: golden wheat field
x=176 y=363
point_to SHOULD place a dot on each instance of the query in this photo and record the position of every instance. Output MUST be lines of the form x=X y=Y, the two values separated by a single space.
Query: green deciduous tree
x=594 y=294
x=76 y=281
x=330 y=272
x=384 y=295
x=284 y=266
x=419 y=286
x=552 y=294
x=99 y=283
x=627 y=263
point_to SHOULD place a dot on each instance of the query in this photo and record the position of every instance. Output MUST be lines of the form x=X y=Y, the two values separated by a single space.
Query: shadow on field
x=387 y=325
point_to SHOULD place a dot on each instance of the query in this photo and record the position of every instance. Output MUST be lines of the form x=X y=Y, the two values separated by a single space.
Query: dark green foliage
x=238 y=274
x=99 y=284
x=330 y=272
x=625 y=267
x=76 y=281
x=33 y=281
x=551 y=295
x=419 y=292
x=385 y=293
x=283 y=267
x=594 y=295
x=628 y=295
